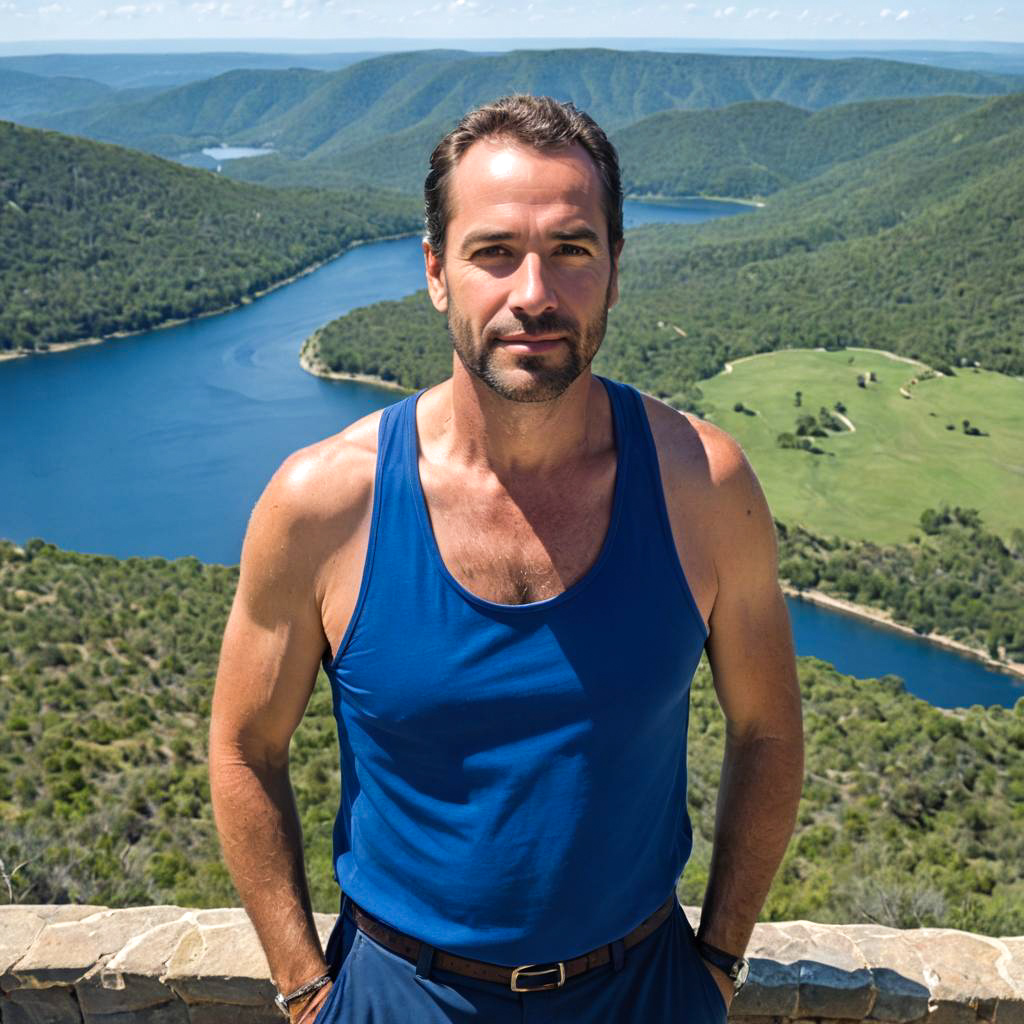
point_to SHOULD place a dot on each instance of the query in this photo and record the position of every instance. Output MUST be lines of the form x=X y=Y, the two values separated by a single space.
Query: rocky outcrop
x=168 y=965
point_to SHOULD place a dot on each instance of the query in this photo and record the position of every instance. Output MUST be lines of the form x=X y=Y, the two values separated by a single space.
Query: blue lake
x=160 y=444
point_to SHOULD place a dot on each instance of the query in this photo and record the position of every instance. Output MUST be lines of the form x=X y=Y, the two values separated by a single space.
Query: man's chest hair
x=524 y=549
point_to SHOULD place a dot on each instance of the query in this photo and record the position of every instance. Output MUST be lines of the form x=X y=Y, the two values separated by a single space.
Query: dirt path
x=893 y=356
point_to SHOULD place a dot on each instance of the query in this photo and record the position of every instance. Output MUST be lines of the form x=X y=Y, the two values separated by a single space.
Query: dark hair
x=537 y=121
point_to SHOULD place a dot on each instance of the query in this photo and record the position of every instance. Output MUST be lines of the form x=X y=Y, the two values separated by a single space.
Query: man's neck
x=517 y=439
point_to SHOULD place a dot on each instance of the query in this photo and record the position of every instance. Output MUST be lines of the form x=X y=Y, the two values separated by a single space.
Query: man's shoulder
x=711 y=491
x=695 y=453
x=329 y=480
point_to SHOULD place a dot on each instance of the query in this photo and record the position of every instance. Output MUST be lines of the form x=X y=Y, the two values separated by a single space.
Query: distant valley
x=408 y=99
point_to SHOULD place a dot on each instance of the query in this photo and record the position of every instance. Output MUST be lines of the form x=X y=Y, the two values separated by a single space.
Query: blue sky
x=958 y=20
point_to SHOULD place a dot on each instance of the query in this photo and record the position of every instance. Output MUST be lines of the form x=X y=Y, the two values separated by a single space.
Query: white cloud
x=690 y=7
x=726 y=12
x=752 y=13
x=967 y=17
x=903 y=15
x=803 y=15
x=832 y=19
x=49 y=10
x=1000 y=12
x=774 y=14
x=885 y=12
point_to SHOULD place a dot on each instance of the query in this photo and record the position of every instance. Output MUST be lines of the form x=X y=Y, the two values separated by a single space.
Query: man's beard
x=547 y=379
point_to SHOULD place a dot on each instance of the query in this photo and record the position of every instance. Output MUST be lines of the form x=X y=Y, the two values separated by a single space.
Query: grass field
x=874 y=482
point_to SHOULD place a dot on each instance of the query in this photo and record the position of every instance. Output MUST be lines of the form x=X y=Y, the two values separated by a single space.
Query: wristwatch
x=735 y=967
x=284 y=1001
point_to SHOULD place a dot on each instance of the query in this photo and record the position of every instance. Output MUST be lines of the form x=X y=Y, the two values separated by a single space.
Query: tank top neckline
x=619 y=431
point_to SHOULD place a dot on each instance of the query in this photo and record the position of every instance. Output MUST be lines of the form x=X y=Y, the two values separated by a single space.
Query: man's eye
x=572 y=250
x=492 y=250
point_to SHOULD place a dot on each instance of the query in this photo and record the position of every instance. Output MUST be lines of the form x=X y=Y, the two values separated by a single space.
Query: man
x=510 y=580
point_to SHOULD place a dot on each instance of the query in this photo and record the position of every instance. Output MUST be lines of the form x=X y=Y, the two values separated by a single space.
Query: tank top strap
x=638 y=457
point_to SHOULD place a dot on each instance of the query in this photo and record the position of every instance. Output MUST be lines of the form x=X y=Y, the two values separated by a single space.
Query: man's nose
x=532 y=292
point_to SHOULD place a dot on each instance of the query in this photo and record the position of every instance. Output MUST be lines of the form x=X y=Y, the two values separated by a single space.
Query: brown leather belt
x=528 y=977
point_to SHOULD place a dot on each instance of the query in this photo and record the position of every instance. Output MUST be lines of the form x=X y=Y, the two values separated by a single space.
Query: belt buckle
x=526 y=971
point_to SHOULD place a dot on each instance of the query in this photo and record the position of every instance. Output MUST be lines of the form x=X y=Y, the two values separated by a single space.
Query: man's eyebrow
x=485 y=236
x=488 y=236
x=580 y=234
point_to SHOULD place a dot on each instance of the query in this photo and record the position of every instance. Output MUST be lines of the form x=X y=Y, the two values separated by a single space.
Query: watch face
x=742 y=969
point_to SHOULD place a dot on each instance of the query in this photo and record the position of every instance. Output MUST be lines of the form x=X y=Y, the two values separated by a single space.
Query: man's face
x=527 y=277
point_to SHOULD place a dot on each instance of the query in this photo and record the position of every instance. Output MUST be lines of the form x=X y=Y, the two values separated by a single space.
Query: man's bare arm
x=272 y=648
x=752 y=661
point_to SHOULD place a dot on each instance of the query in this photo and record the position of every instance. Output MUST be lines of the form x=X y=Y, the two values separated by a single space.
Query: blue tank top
x=514 y=776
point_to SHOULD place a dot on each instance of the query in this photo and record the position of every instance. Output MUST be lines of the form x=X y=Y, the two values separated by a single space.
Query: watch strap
x=727 y=962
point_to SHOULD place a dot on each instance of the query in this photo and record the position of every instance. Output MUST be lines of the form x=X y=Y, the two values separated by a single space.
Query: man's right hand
x=305 y=1011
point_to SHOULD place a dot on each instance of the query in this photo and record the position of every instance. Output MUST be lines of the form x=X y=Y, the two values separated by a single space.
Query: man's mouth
x=530 y=343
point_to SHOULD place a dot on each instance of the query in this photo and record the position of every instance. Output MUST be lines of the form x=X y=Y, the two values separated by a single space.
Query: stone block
x=221 y=962
x=1011 y=964
x=63 y=952
x=963 y=968
x=41 y=1006
x=1009 y=1011
x=133 y=978
x=770 y=991
x=134 y=994
x=945 y=1011
x=835 y=993
x=21 y=925
x=898 y=998
x=209 y=1013
x=175 y=1012
x=785 y=943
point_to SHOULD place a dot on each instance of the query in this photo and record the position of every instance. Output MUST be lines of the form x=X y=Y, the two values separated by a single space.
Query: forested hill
x=309 y=114
x=756 y=149
x=910 y=816
x=916 y=248
x=25 y=95
x=95 y=239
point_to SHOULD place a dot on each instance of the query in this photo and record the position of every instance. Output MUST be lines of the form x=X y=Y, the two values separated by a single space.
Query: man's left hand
x=723 y=981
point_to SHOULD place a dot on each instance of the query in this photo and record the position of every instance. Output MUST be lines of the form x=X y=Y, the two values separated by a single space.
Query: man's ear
x=437 y=284
x=613 y=283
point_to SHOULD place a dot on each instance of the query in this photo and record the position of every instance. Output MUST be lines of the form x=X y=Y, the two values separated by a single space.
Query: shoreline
x=245 y=300
x=883 y=618
x=657 y=197
x=309 y=363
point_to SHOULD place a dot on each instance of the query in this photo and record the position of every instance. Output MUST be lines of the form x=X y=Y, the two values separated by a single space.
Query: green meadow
x=904 y=455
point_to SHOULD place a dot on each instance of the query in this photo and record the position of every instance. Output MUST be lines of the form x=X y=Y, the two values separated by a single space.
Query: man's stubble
x=548 y=379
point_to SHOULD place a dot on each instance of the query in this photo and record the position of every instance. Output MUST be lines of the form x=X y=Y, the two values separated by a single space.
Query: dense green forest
x=106 y=674
x=25 y=95
x=955 y=578
x=862 y=255
x=96 y=239
x=309 y=114
x=756 y=149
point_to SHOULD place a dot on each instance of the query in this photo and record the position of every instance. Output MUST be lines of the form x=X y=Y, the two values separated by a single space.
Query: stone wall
x=168 y=965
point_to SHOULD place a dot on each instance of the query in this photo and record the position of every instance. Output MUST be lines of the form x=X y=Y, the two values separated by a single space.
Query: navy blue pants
x=657 y=981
